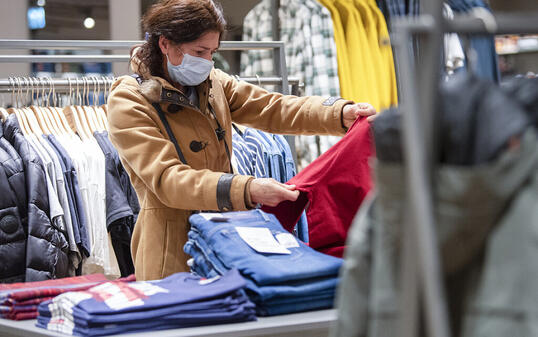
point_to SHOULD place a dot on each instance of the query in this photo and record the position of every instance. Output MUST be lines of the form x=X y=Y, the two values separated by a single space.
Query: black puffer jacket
x=13 y=226
x=47 y=247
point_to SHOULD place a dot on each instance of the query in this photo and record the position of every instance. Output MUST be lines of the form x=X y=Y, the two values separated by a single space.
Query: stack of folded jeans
x=301 y=280
x=19 y=301
x=178 y=301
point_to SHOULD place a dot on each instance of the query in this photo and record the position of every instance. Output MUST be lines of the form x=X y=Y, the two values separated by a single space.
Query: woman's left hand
x=351 y=112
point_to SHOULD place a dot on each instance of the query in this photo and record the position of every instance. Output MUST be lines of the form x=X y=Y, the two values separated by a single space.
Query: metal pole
x=63 y=84
x=112 y=45
x=419 y=126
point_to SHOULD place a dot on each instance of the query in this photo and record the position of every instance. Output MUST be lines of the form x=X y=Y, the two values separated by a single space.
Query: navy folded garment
x=179 y=300
x=277 y=283
x=217 y=305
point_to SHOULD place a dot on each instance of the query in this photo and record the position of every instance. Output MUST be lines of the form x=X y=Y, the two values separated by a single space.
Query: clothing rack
x=421 y=280
x=65 y=84
x=278 y=47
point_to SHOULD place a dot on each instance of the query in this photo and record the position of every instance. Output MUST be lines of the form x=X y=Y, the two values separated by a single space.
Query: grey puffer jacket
x=47 y=247
x=487 y=226
x=13 y=222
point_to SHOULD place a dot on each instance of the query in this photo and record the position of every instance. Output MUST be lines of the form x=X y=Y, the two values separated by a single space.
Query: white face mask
x=192 y=70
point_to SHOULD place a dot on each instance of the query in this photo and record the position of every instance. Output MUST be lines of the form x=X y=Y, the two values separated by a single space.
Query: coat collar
x=158 y=90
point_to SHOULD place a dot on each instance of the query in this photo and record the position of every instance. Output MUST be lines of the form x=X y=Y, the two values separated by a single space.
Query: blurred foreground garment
x=486 y=217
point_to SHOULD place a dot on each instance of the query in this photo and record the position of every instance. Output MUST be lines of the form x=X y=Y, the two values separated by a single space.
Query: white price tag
x=287 y=240
x=211 y=216
x=261 y=240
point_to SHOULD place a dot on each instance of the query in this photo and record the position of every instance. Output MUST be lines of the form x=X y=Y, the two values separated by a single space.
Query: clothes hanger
x=69 y=127
x=35 y=126
x=108 y=85
x=91 y=114
x=54 y=118
x=102 y=110
x=86 y=111
x=47 y=110
x=38 y=110
x=71 y=114
x=80 y=110
x=97 y=115
x=21 y=114
x=15 y=109
x=62 y=120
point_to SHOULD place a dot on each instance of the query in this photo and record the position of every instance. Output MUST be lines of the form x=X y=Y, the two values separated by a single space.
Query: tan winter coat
x=169 y=190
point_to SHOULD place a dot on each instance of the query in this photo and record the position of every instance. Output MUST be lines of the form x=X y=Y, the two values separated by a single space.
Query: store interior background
x=120 y=20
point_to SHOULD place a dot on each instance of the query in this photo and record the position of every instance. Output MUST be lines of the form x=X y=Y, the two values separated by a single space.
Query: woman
x=179 y=95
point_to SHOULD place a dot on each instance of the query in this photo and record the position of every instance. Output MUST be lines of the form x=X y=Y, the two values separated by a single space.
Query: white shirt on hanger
x=75 y=256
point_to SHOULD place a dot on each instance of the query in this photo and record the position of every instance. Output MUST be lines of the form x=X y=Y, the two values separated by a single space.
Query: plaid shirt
x=307 y=29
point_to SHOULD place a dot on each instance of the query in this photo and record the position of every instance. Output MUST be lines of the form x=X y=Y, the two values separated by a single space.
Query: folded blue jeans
x=299 y=306
x=303 y=263
x=207 y=267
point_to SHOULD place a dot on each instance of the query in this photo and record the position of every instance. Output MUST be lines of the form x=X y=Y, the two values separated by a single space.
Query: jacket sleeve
x=153 y=158
x=253 y=106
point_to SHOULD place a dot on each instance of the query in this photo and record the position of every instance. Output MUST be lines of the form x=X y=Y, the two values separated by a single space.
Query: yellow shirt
x=374 y=61
x=344 y=74
x=386 y=53
x=362 y=77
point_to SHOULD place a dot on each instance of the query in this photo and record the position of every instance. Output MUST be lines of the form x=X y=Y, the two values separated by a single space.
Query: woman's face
x=205 y=46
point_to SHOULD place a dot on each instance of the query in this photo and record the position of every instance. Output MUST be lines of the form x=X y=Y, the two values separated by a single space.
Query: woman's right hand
x=267 y=191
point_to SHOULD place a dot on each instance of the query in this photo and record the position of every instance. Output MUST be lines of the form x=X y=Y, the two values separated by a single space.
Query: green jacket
x=487 y=228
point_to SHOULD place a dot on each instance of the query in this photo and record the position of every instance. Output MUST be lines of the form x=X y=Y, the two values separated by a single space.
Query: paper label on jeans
x=210 y=216
x=261 y=240
x=287 y=240
x=205 y=281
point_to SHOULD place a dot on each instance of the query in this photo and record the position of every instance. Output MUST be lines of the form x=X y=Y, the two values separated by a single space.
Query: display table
x=313 y=323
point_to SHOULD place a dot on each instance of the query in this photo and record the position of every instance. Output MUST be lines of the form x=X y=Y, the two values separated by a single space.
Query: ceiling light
x=89 y=23
x=41 y=3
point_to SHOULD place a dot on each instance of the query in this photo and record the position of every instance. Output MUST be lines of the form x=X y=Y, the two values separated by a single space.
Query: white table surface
x=313 y=323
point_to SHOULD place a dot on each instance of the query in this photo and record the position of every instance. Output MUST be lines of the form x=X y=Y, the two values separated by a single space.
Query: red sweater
x=333 y=187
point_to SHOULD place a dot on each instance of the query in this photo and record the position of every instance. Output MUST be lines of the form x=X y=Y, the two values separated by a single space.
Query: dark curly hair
x=179 y=21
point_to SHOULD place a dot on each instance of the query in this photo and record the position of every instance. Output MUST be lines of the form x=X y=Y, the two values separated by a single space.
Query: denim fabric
x=208 y=265
x=298 y=306
x=274 y=157
x=303 y=262
x=487 y=66
x=277 y=299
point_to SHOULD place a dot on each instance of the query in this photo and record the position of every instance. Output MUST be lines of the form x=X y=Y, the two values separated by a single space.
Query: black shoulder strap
x=162 y=116
x=171 y=135
x=221 y=135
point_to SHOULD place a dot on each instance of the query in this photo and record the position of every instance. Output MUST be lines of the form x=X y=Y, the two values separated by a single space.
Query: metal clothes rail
x=421 y=285
x=64 y=84
x=278 y=47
